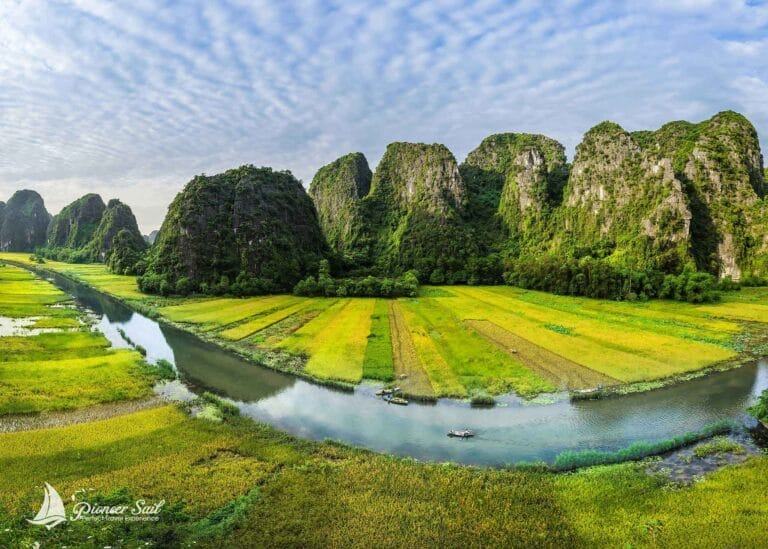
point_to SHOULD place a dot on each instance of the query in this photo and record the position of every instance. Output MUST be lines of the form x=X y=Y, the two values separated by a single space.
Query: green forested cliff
x=684 y=196
x=631 y=208
x=337 y=190
x=117 y=218
x=250 y=228
x=24 y=222
x=87 y=231
x=74 y=226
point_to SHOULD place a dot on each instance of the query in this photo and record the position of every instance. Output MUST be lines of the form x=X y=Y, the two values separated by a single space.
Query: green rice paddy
x=462 y=340
x=72 y=367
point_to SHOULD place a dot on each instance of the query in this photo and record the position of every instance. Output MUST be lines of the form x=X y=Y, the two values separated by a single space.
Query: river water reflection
x=517 y=431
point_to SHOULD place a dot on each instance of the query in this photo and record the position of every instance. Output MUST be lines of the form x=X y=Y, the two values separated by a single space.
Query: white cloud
x=132 y=99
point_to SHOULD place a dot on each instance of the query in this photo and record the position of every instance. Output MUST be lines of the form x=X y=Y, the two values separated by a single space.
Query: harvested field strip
x=378 y=362
x=564 y=373
x=336 y=351
x=405 y=360
x=221 y=312
x=628 y=355
x=259 y=323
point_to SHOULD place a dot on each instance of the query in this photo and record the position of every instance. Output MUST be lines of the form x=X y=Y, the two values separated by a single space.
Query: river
x=513 y=432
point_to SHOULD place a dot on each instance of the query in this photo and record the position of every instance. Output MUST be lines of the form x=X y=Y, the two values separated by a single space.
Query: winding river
x=515 y=431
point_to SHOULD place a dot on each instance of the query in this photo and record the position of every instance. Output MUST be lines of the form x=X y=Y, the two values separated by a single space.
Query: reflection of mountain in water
x=208 y=367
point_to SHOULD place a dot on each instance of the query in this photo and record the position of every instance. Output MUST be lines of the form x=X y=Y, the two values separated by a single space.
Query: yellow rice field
x=459 y=340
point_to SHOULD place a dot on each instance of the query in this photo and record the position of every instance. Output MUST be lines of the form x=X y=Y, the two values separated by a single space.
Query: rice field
x=71 y=367
x=458 y=341
x=223 y=482
x=92 y=274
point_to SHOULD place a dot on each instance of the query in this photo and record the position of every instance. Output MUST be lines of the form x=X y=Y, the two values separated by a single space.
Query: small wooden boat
x=461 y=433
x=397 y=400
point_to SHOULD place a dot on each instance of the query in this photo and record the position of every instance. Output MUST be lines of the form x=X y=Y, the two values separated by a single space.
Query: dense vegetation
x=245 y=231
x=369 y=286
x=637 y=215
x=601 y=279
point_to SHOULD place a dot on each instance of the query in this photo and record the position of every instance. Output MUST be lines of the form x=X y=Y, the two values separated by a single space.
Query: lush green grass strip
x=570 y=460
x=378 y=362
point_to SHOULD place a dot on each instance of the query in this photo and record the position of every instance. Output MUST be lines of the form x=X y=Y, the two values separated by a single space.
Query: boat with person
x=461 y=433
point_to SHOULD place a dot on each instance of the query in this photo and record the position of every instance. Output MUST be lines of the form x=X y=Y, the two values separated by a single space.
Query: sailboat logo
x=51 y=512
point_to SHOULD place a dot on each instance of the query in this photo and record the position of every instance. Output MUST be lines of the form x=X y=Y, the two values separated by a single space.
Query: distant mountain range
x=685 y=195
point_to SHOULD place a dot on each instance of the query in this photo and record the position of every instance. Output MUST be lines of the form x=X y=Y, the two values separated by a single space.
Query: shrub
x=760 y=409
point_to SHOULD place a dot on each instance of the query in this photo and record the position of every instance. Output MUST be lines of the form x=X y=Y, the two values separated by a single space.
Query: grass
x=60 y=370
x=378 y=362
x=718 y=446
x=567 y=461
x=217 y=313
x=92 y=274
x=625 y=353
x=60 y=384
x=236 y=483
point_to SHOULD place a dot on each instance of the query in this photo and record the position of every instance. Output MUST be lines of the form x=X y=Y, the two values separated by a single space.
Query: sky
x=131 y=99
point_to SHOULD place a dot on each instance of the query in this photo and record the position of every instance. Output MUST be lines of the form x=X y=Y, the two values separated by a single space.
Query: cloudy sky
x=132 y=98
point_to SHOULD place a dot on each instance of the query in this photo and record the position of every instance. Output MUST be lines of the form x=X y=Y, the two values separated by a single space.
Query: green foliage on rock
x=24 y=222
x=514 y=180
x=117 y=217
x=414 y=215
x=686 y=196
x=337 y=190
x=76 y=224
x=126 y=255
x=248 y=230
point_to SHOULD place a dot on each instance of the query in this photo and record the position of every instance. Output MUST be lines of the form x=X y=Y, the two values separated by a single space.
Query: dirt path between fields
x=406 y=360
x=45 y=420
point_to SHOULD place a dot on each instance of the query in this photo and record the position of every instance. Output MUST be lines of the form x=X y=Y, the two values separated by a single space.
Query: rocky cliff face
x=516 y=179
x=337 y=191
x=116 y=218
x=25 y=222
x=720 y=166
x=247 y=222
x=75 y=225
x=624 y=201
x=414 y=211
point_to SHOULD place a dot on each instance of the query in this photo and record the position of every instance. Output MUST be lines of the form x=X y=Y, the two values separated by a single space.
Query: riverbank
x=223 y=476
x=526 y=342
x=223 y=480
